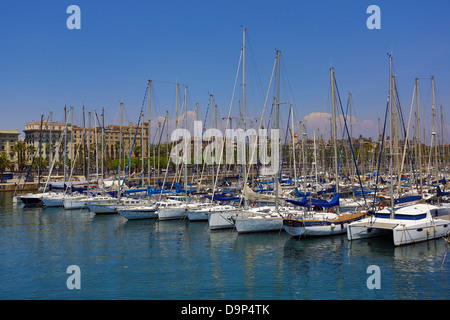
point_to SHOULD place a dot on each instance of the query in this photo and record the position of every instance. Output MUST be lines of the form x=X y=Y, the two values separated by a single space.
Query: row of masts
x=396 y=165
x=316 y=163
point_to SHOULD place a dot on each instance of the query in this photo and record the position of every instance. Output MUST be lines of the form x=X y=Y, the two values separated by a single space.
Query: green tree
x=44 y=163
x=5 y=163
x=20 y=148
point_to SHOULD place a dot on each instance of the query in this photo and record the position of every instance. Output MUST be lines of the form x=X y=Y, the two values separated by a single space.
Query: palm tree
x=5 y=163
x=20 y=148
x=44 y=163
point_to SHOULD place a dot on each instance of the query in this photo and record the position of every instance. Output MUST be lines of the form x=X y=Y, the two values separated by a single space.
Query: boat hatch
x=402 y=216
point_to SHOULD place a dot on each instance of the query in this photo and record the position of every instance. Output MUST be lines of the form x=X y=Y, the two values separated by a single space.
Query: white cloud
x=320 y=122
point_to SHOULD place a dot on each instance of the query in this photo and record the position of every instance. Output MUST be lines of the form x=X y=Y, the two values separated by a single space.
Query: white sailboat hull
x=258 y=224
x=201 y=214
x=221 y=220
x=225 y=219
x=172 y=213
x=53 y=201
x=71 y=204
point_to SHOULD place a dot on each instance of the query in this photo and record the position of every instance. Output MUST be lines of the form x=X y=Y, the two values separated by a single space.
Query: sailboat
x=323 y=223
x=136 y=212
x=270 y=219
x=406 y=223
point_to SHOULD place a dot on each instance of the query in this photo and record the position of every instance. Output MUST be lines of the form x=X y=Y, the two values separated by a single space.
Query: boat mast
x=395 y=134
x=243 y=113
x=185 y=147
x=84 y=144
x=302 y=132
x=315 y=157
x=352 y=174
x=216 y=156
x=40 y=151
x=442 y=140
x=149 y=130
x=65 y=144
x=71 y=137
x=419 y=143
x=103 y=144
x=142 y=150
x=167 y=138
x=333 y=102
x=120 y=151
x=51 y=139
x=96 y=146
x=391 y=137
x=212 y=126
x=89 y=152
x=433 y=107
x=293 y=145
x=276 y=123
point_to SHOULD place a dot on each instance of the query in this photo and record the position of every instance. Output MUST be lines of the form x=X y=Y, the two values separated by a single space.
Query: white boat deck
x=379 y=224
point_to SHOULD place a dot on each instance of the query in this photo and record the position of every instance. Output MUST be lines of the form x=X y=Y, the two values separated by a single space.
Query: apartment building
x=8 y=139
x=52 y=137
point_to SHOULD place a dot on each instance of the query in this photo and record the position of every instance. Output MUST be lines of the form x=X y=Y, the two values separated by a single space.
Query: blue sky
x=122 y=44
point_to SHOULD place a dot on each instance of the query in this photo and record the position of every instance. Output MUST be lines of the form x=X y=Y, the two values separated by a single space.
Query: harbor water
x=182 y=260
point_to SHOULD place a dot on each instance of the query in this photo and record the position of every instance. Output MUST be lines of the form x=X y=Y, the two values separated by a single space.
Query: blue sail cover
x=302 y=203
x=299 y=194
x=333 y=202
x=440 y=193
x=316 y=202
x=407 y=199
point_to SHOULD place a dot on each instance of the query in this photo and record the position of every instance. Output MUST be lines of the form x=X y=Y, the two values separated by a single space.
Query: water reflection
x=151 y=259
